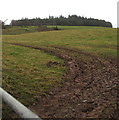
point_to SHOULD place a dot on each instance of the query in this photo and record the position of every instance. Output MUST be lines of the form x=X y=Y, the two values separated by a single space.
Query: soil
x=88 y=91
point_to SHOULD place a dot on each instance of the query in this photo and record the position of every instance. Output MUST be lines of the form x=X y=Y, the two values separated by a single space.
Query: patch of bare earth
x=89 y=89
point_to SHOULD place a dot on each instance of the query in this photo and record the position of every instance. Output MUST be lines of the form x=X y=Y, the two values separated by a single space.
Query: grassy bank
x=26 y=71
x=98 y=41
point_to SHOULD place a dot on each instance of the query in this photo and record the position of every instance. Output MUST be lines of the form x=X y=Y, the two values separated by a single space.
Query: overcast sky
x=100 y=9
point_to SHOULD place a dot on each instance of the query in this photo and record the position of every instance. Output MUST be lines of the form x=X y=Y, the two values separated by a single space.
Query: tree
x=3 y=24
x=71 y=20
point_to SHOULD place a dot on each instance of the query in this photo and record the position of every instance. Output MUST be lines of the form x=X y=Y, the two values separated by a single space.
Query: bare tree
x=3 y=24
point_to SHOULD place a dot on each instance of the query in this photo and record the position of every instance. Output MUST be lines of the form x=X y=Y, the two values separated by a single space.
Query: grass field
x=84 y=38
x=28 y=73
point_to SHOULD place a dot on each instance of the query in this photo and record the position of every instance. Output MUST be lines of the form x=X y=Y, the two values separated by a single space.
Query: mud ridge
x=101 y=60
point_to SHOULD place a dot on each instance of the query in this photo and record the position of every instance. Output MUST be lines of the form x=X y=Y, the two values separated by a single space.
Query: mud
x=52 y=63
x=87 y=92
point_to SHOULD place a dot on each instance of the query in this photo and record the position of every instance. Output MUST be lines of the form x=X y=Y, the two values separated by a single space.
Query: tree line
x=71 y=20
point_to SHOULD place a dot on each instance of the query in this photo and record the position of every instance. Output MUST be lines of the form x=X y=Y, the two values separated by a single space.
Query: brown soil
x=88 y=91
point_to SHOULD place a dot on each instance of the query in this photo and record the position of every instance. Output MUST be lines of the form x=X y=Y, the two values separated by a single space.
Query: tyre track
x=86 y=92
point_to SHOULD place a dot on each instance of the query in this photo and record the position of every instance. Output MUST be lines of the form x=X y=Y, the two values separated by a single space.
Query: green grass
x=25 y=71
x=98 y=41
x=76 y=27
x=19 y=30
x=26 y=74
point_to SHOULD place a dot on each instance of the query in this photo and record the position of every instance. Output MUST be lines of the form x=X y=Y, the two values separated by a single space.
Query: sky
x=99 y=9
x=118 y=14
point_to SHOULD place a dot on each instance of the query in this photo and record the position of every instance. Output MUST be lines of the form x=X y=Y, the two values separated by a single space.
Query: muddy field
x=89 y=89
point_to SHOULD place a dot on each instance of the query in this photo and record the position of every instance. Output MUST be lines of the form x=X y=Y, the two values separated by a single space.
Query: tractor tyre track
x=88 y=92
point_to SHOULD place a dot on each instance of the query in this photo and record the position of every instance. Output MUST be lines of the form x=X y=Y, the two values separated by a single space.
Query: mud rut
x=87 y=92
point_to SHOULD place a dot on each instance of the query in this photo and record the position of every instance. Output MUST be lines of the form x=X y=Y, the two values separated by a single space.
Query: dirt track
x=89 y=90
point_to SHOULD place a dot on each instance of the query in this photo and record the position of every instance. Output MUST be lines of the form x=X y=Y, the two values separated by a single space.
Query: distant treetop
x=71 y=20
